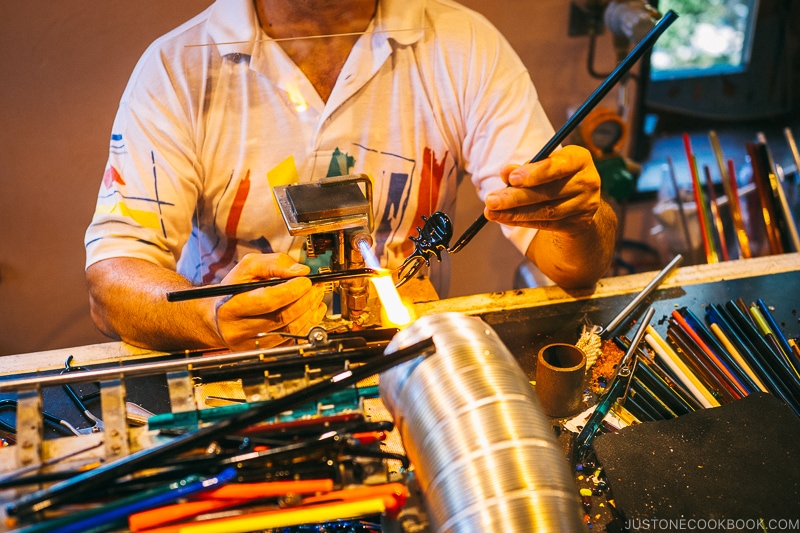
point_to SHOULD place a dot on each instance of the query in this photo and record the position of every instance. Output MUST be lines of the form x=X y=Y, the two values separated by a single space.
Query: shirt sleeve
x=514 y=129
x=151 y=183
x=507 y=125
x=499 y=118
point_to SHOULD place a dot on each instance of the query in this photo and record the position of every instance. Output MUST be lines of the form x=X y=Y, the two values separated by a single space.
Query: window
x=709 y=37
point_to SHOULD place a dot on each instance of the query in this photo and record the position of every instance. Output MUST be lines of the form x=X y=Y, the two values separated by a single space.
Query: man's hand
x=128 y=302
x=560 y=193
x=559 y=196
x=262 y=314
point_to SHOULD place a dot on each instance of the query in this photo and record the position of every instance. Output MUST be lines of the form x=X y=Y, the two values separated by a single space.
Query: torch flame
x=397 y=313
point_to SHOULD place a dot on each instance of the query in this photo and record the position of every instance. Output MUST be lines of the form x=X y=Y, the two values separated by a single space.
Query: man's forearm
x=577 y=260
x=128 y=302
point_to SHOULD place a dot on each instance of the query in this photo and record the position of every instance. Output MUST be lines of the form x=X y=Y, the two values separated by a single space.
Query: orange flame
x=396 y=312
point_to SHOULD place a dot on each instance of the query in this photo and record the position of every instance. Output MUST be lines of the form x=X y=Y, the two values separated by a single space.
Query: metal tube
x=483 y=450
x=615 y=389
x=149 y=369
x=617 y=320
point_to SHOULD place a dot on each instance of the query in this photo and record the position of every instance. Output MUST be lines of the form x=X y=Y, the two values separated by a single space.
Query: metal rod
x=71 y=489
x=617 y=320
x=33 y=468
x=279 y=355
x=236 y=288
x=638 y=51
x=147 y=369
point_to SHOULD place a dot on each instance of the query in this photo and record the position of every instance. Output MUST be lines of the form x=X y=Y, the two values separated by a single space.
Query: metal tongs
x=434 y=237
x=617 y=389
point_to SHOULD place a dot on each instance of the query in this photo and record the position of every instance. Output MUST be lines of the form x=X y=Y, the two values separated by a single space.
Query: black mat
x=739 y=462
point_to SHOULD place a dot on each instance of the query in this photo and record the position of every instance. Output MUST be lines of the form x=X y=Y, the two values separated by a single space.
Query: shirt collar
x=403 y=20
x=233 y=24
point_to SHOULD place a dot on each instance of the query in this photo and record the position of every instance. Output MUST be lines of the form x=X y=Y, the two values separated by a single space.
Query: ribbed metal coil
x=483 y=450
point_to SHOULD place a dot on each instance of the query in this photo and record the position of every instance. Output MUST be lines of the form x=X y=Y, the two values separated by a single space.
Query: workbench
x=525 y=319
x=731 y=476
x=528 y=319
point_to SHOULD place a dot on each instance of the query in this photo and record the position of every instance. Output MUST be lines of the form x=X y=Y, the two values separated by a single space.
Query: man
x=247 y=96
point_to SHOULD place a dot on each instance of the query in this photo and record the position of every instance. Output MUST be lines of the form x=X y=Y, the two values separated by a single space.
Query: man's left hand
x=560 y=193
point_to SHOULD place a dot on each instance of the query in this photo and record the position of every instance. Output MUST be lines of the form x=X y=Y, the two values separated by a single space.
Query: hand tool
x=439 y=226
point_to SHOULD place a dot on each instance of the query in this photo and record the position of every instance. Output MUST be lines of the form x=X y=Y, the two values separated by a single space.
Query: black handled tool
x=638 y=51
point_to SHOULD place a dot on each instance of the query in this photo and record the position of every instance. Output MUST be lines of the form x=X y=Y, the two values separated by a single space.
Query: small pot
x=560 y=371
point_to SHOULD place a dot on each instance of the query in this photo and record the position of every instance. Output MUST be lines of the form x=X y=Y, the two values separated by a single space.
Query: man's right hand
x=128 y=302
x=293 y=307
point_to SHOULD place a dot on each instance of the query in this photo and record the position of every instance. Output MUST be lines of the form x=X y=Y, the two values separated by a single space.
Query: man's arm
x=128 y=302
x=560 y=196
x=574 y=260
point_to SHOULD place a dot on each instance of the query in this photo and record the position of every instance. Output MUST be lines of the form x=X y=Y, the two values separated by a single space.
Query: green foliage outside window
x=708 y=34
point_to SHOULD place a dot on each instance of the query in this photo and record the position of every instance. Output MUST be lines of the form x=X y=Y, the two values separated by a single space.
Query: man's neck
x=304 y=18
x=321 y=60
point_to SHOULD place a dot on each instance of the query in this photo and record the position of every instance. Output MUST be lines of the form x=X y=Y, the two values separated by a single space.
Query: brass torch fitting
x=355 y=292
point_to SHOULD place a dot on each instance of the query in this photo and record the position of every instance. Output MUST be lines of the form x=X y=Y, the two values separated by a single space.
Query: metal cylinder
x=560 y=370
x=483 y=450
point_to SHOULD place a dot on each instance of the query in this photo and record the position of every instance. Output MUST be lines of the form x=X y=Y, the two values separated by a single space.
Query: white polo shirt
x=215 y=115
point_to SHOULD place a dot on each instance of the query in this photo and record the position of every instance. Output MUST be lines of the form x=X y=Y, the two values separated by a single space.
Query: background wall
x=63 y=68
